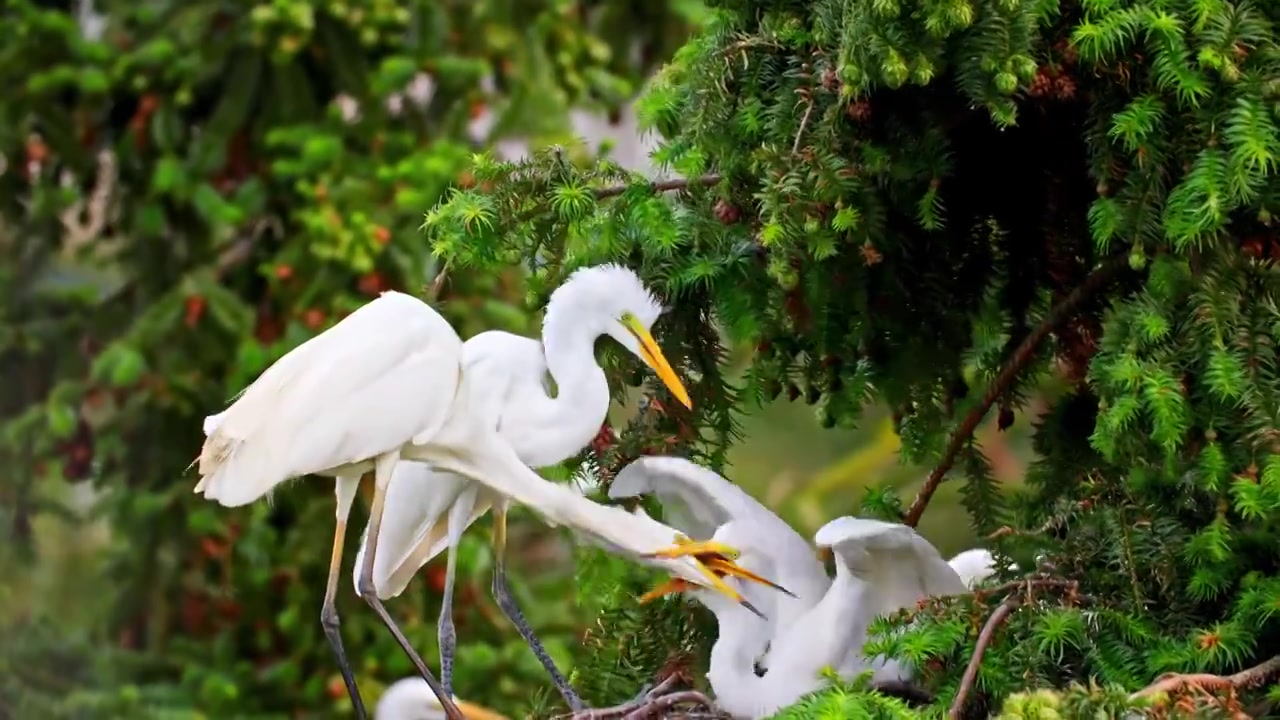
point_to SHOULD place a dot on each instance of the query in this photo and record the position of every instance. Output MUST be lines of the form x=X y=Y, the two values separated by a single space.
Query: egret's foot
x=658 y=706
x=651 y=703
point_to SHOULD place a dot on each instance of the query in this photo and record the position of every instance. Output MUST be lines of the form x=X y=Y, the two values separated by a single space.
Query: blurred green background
x=189 y=189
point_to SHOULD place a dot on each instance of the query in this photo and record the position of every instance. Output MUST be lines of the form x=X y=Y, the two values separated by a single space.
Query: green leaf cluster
x=884 y=200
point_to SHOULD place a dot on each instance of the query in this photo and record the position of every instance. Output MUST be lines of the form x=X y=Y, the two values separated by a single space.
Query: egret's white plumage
x=542 y=429
x=393 y=363
x=974 y=566
x=697 y=501
x=411 y=699
x=391 y=382
x=881 y=567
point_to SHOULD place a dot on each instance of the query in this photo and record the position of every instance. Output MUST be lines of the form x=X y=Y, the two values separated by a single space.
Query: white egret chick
x=434 y=507
x=387 y=384
x=881 y=567
x=411 y=699
x=974 y=566
x=697 y=501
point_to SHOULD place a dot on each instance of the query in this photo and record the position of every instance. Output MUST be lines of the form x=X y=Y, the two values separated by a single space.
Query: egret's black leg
x=502 y=594
x=329 y=621
x=444 y=629
x=365 y=587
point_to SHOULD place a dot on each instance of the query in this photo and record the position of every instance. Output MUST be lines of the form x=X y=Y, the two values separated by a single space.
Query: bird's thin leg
x=346 y=490
x=445 y=632
x=382 y=477
x=502 y=594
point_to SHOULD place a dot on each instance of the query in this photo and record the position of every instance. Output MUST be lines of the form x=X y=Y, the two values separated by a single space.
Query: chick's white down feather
x=697 y=501
x=881 y=567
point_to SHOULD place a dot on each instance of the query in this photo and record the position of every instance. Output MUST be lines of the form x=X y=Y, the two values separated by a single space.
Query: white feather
x=391 y=367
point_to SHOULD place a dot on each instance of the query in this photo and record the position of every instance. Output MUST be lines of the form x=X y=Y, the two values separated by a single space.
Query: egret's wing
x=899 y=565
x=386 y=374
x=518 y=357
x=414 y=524
x=694 y=500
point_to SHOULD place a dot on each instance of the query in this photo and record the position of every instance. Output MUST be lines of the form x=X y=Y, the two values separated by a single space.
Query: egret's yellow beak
x=652 y=356
x=715 y=561
x=476 y=712
x=824 y=554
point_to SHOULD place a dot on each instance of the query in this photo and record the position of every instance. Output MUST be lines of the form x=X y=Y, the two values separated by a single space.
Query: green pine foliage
x=886 y=200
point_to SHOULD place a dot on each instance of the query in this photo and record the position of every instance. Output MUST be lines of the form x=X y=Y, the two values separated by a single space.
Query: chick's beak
x=652 y=356
x=471 y=711
x=715 y=561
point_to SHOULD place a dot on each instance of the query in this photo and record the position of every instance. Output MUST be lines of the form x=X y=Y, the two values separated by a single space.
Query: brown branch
x=1021 y=356
x=1071 y=586
x=433 y=290
x=660 y=186
x=970 y=677
x=804 y=124
x=1175 y=682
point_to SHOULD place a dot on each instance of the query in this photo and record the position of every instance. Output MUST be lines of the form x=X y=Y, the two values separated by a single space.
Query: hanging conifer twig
x=1021 y=356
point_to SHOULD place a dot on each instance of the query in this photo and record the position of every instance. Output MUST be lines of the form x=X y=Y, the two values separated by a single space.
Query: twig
x=1250 y=677
x=967 y=682
x=433 y=290
x=1072 y=586
x=630 y=705
x=804 y=123
x=1025 y=351
x=655 y=707
x=660 y=186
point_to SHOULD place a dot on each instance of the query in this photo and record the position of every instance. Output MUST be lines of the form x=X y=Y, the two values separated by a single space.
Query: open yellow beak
x=716 y=562
x=476 y=712
x=652 y=356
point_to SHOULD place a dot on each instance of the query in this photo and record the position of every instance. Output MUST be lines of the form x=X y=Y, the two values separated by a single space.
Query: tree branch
x=1175 y=682
x=1021 y=356
x=970 y=677
x=660 y=186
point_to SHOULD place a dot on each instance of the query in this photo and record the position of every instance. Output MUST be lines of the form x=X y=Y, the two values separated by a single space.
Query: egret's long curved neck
x=732 y=674
x=570 y=419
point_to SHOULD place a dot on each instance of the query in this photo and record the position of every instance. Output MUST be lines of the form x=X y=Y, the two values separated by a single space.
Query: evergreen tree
x=935 y=205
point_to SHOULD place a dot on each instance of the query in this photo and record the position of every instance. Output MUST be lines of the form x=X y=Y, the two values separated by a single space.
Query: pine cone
x=727 y=212
x=859 y=110
x=870 y=255
x=830 y=80
x=1064 y=87
x=1041 y=85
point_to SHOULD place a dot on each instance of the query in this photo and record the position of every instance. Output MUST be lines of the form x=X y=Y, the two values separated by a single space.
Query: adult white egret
x=881 y=567
x=697 y=501
x=411 y=699
x=384 y=384
x=434 y=507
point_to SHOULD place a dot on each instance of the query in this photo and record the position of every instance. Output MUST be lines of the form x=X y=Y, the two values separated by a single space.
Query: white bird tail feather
x=254 y=443
x=973 y=566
